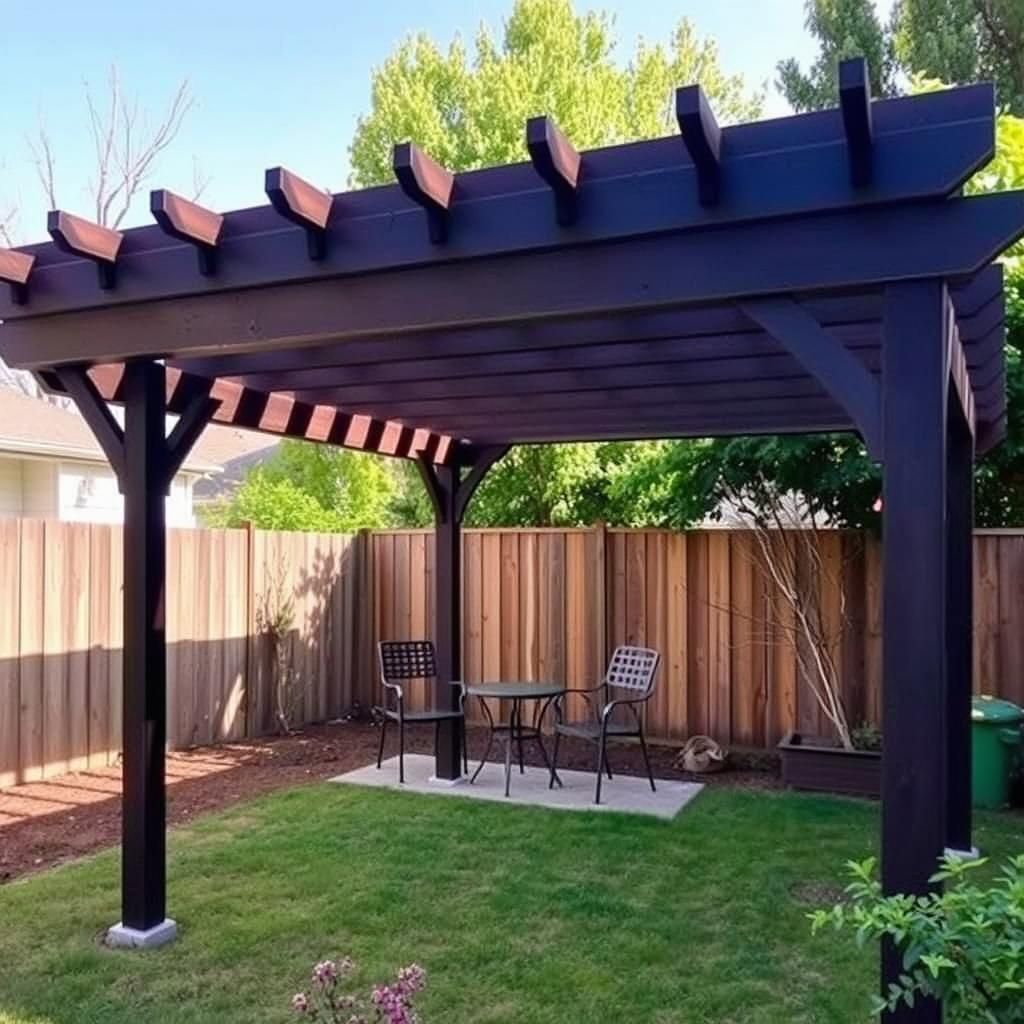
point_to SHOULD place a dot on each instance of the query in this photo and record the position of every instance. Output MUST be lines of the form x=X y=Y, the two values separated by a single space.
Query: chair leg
x=647 y=761
x=601 y=758
x=380 y=748
x=401 y=750
x=607 y=763
x=465 y=748
x=554 y=761
x=519 y=738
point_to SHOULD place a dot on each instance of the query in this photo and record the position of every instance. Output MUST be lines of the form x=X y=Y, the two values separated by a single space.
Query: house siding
x=77 y=492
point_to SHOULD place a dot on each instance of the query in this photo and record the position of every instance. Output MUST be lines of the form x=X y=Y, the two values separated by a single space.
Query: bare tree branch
x=787 y=549
x=42 y=155
x=200 y=180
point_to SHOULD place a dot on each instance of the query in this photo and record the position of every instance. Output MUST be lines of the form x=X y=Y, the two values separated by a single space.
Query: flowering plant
x=386 y=1004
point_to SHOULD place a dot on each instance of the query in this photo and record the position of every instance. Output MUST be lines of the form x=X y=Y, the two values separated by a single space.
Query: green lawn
x=519 y=915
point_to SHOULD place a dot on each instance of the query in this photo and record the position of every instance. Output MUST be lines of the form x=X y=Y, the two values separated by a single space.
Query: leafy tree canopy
x=954 y=41
x=471 y=112
x=305 y=486
x=960 y=41
x=843 y=28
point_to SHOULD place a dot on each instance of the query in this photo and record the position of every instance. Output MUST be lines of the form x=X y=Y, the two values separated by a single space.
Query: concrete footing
x=123 y=937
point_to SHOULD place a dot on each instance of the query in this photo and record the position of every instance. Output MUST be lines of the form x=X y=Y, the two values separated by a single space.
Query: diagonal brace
x=108 y=432
x=841 y=373
x=450 y=492
x=186 y=431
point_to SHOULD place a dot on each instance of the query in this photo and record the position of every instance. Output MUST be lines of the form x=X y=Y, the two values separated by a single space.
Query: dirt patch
x=45 y=823
x=816 y=894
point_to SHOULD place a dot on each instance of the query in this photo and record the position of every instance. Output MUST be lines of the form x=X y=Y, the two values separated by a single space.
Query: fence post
x=601 y=578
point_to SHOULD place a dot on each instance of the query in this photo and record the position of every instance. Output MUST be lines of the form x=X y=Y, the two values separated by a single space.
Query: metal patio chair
x=400 y=662
x=628 y=683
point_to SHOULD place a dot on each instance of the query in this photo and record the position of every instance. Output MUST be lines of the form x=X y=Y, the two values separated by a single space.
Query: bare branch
x=8 y=218
x=124 y=150
x=200 y=180
x=42 y=156
x=788 y=550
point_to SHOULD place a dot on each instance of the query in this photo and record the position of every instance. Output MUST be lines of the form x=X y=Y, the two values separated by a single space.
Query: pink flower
x=325 y=973
x=300 y=1004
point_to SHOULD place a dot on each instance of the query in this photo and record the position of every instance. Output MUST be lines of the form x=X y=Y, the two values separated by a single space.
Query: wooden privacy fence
x=60 y=638
x=552 y=604
x=537 y=604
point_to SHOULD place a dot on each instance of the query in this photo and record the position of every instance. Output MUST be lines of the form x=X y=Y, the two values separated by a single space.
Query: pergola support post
x=450 y=488
x=915 y=361
x=959 y=631
x=146 y=461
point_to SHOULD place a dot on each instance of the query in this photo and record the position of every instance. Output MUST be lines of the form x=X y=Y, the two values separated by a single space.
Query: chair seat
x=592 y=730
x=430 y=715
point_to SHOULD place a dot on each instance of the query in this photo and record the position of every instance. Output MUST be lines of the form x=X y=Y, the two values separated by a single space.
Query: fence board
x=10 y=651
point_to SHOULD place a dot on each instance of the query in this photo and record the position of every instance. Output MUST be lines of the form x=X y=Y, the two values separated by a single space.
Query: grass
x=519 y=914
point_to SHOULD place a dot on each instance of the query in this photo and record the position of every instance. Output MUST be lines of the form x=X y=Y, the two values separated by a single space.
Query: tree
x=843 y=28
x=126 y=147
x=471 y=113
x=960 y=41
x=953 y=41
x=550 y=60
x=305 y=486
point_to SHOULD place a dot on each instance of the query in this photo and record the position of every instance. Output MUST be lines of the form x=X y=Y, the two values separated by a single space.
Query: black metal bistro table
x=514 y=731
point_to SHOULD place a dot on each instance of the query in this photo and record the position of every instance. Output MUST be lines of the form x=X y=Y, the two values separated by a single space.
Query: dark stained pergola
x=821 y=272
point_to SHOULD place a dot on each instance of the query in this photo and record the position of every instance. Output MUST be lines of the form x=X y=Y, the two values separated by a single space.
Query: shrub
x=963 y=944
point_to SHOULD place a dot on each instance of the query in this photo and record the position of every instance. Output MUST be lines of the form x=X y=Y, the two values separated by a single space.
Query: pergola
x=814 y=273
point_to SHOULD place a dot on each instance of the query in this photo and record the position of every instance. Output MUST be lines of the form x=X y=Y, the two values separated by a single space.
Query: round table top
x=518 y=690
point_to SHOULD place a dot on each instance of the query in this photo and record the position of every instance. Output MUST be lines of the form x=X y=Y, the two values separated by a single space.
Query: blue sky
x=276 y=83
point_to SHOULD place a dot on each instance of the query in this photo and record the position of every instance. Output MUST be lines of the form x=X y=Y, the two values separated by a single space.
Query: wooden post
x=959 y=629
x=145 y=460
x=450 y=493
x=448 y=613
x=143 y=859
x=915 y=395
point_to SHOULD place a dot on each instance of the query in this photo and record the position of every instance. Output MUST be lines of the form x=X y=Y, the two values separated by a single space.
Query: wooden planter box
x=813 y=763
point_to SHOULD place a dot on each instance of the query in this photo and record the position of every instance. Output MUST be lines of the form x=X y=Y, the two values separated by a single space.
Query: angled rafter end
x=427 y=184
x=188 y=222
x=703 y=140
x=855 y=104
x=82 y=237
x=302 y=203
x=557 y=162
x=16 y=269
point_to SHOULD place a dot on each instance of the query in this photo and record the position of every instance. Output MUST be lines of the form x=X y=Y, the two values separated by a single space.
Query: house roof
x=30 y=426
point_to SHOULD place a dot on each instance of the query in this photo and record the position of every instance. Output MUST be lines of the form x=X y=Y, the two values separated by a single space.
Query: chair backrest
x=632 y=669
x=401 y=660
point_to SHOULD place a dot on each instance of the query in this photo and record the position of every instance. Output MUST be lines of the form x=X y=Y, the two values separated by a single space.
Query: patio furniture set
x=628 y=684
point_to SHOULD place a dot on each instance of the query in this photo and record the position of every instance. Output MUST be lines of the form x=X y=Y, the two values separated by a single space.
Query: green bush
x=963 y=943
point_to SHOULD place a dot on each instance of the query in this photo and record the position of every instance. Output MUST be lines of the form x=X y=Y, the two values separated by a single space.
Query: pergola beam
x=924 y=147
x=828 y=251
x=977 y=299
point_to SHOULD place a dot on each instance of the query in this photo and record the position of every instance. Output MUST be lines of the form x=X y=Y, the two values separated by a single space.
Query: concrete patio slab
x=624 y=793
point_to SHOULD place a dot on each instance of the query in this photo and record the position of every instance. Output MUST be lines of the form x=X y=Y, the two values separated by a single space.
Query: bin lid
x=992 y=709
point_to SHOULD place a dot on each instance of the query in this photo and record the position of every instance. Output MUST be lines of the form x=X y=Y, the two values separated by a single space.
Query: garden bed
x=822 y=766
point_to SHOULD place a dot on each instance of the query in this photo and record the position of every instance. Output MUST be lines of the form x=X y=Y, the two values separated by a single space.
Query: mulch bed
x=45 y=823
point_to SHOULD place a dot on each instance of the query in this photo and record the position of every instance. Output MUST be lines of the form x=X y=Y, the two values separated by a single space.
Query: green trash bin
x=995 y=739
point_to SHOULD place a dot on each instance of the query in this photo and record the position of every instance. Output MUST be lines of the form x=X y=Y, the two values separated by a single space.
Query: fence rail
x=537 y=604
